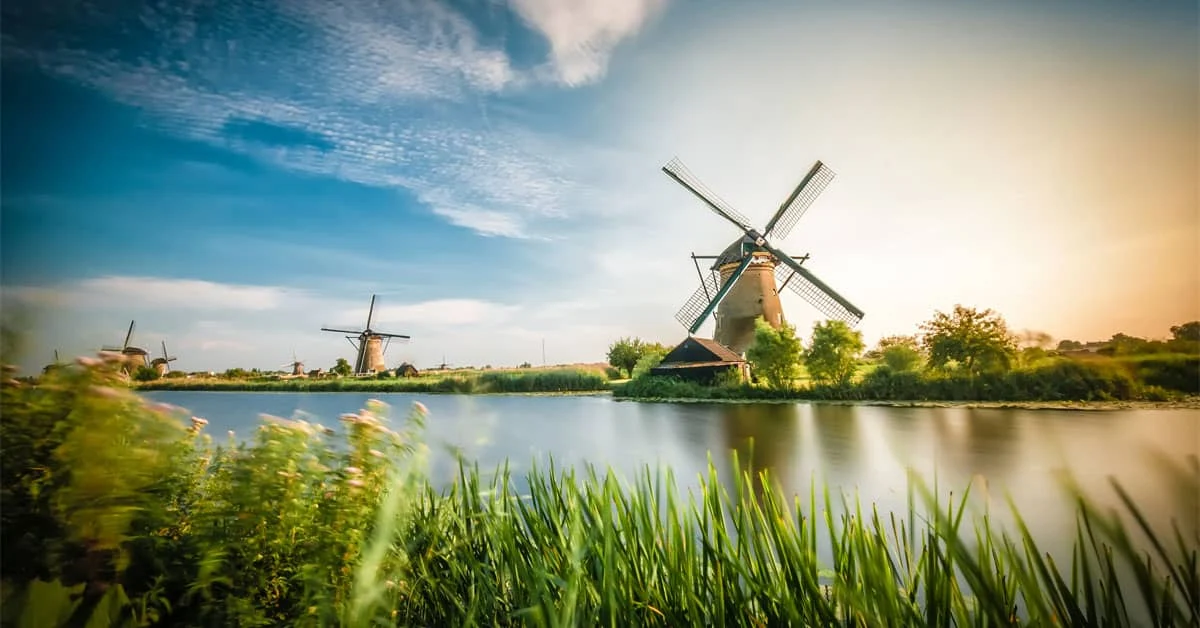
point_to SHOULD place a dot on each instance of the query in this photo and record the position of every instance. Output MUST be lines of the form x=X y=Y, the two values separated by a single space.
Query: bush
x=1177 y=372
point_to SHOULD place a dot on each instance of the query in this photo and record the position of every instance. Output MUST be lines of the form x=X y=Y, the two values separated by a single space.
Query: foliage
x=613 y=372
x=890 y=341
x=625 y=353
x=902 y=357
x=652 y=356
x=145 y=374
x=832 y=354
x=977 y=340
x=1189 y=331
x=342 y=368
x=1175 y=372
x=775 y=353
x=549 y=380
x=304 y=525
x=175 y=375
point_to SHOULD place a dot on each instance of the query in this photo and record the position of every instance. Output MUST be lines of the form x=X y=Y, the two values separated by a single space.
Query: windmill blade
x=676 y=170
x=164 y=348
x=711 y=305
x=371 y=312
x=797 y=203
x=383 y=335
x=815 y=291
x=341 y=331
x=694 y=307
x=129 y=334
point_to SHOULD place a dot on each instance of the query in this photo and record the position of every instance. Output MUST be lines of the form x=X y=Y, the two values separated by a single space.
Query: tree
x=341 y=368
x=977 y=340
x=902 y=357
x=1033 y=339
x=145 y=374
x=1187 y=331
x=890 y=341
x=775 y=353
x=1069 y=345
x=832 y=356
x=625 y=353
x=652 y=355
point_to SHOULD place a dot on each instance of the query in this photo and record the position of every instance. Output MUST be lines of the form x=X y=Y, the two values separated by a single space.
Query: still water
x=860 y=450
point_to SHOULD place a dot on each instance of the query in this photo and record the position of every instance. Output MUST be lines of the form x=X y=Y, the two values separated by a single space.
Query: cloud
x=340 y=89
x=154 y=292
x=583 y=33
x=433 y=314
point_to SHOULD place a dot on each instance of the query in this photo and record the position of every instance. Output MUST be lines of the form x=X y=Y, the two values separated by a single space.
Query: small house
x=700 y=360
x=406 y=370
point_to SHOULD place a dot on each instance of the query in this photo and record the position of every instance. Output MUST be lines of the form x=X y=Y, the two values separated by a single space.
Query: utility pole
x=543 y=352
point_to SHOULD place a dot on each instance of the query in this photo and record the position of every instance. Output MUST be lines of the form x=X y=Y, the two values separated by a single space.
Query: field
x=558 y=379
x=116 y=514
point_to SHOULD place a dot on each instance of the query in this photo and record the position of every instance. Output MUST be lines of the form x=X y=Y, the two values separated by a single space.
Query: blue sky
x=235 y=176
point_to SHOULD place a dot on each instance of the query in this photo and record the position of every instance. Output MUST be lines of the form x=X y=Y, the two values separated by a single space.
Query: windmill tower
x=163 y=364
x=741 y=283
x=131 y=357
x=369 y=344
x=297 y=367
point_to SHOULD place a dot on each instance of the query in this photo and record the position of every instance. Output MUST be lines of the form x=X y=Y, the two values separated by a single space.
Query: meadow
x=123 y=511
x=556 y=380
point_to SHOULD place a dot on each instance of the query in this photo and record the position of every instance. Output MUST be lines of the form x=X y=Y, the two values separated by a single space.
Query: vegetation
x=480 y=382
x=832 y=357
x=116 y=513
x=964 y=355
x=625 y=353
x=775 y=353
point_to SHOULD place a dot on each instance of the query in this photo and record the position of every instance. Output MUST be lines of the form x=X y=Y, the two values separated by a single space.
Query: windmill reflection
x=764 y=436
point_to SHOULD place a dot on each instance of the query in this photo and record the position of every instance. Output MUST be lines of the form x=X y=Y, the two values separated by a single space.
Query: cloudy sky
x=235 y=174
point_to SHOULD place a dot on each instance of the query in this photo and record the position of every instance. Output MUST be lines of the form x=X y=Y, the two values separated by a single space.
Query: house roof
x=695 y=350
x=719 y=350
x=692 y=365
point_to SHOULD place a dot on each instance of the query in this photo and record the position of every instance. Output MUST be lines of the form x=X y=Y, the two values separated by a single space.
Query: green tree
x=902 y=357
x=977 y=340
x=1069 y=345
x=341 y=368
x=890 y=341
x=832 y=355
x=625 y=353
x=652 y=355
x=145 y=374
x=775 y=353
x=1187 y=331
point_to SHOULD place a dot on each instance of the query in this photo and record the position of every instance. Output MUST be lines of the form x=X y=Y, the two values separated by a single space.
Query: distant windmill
x=131 y=357
x=50 y=367
x=163 y=364
x=370 y=344
x=296 y=366
x=741 y=284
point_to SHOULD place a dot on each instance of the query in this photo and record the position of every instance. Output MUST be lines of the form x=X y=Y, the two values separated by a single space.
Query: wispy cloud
x=154 y=292
x=341 y=88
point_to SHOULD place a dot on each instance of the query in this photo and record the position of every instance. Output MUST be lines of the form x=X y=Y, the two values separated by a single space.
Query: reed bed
x=547 y=381
x=114 y=510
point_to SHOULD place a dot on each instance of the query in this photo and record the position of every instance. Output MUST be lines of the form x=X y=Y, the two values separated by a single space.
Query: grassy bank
x=484 y=382
x=1151 y=379
x=112 y=508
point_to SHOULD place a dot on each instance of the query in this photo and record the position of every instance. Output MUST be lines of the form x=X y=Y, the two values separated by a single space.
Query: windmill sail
x=817 y=294
x=797 y=203
x=695 y=306
x=676 y=170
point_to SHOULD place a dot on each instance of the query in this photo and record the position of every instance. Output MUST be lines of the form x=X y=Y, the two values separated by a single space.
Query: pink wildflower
x=420 y=407
x=84 y=360
x=355 y=482
x=353 y=470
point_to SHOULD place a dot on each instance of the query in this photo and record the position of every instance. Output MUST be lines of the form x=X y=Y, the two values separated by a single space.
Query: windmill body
x=162 y=365
x=744 y=281
x=369 y=344
x=131 y=357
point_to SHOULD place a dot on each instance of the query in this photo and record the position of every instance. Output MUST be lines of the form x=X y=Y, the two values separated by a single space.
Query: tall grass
x=133 y=517
x=547 y=381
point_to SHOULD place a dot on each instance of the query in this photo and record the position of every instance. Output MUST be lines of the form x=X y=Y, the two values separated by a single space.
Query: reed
x=307 y=525
x=485 y=382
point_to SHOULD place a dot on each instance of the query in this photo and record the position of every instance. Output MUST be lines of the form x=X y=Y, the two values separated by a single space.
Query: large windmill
x=163 y=364
x=741 y=283
x=131 y=357
x=370 y=345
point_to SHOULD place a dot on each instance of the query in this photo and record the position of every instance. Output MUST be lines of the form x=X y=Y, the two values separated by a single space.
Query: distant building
x=700 y=360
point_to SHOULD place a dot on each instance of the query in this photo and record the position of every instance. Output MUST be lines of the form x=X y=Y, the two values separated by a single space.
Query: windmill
x=741 y=283
x=296 y=365
x=370 y=344
x=131 y=357
x=52 y=366
x=163 y=364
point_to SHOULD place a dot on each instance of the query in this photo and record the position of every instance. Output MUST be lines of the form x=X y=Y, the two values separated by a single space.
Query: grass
x=113 y=509
x=461 y=382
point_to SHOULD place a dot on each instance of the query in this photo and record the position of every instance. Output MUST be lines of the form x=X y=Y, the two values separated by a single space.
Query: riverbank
x=1189 y=403
x=562 y=381
x=361 y=536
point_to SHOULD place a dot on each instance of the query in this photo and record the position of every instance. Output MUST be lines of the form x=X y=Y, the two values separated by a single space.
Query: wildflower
x=420 y=407
x=355 y=482
x=84 y=360
x=105 y=391
x=353 y=470
x=390 y=584
x=376 y=453
x=199 y=422
x=164 y=407
x=231 y=434
x=111 y=356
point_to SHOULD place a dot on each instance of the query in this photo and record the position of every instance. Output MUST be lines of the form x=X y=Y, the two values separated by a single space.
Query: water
x=861 y=450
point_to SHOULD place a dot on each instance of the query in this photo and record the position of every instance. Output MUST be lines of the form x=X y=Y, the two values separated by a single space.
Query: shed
x=700 y=360
x=407 y=370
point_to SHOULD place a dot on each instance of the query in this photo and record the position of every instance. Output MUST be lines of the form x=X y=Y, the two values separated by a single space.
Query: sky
x=235 y=175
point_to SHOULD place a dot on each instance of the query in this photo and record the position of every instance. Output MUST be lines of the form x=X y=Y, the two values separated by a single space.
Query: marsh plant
x=120 y=511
